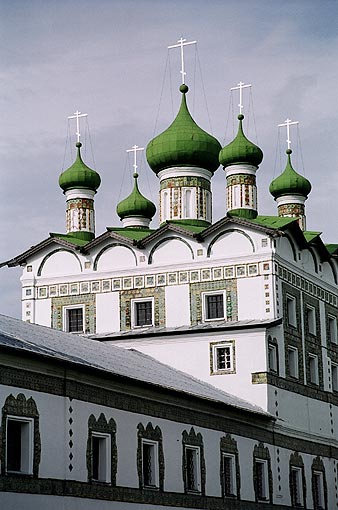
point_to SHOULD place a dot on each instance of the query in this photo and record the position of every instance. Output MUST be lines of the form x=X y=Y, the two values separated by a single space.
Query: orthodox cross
x=181 y=43
x=77 y=116
x=240 y=87
x=288 y=123
x=134 y=149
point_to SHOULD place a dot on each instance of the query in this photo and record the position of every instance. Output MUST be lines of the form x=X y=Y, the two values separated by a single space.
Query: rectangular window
x=313 y=369
x=334 y=376
x=291 y=311
x=261 y=471
x=222 y=357
x=101 y=452
x=311 y=319
x=297 y=486
x=213 y=305
x=150 y=464
x=332 y=325
x=229 y=474
x=293 y=362
x=73 y=319
x=318 y=490
x=193 y=468
x=272 y=358
x=142 y=312
x=19 y=445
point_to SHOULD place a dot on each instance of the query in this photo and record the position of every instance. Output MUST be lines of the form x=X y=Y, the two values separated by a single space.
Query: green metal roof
x=184 y=143
x=310 y=236
x=72 y=238
x=290 y=182
x=331 y=248
x=134 y=233
x=276 y=222
x=79 y=175
x=136 y=204
x=240 y=150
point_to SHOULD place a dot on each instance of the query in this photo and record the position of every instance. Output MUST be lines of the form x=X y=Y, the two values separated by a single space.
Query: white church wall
x=107 y=312
x=171 y=251
x=231 y=243
x=115 y=258
x=177 y=305
x=251 y=300
x=60 y=263
x=43 y=312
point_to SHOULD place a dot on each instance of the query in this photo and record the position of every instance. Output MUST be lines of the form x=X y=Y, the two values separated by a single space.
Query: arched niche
x=287 y=248
x=60 y=262
x=309 y=261
x=232 y=242
x=329 y=272
x=172 y=249
x=115 y=256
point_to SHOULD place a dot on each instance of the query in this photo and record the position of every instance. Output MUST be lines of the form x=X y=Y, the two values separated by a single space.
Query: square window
x=313 y=369
x=73 y=319
x=297 y=487
x=273 y=358
x=143 y=313
x=311 y=319
x=318 y=490
x=193 y=469
x=19 y=445
x=222 y=357
x=262 y=481
x=101 y=452
x=229 y=475
x=334 y=376
x=213 y=306
x=293 y=362
x=150 y=464
x=291 y=311
x=332 y=326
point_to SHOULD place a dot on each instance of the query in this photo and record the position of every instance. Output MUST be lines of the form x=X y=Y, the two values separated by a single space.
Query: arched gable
x=115 y=256
x=171 y=249
x=231 y=242
x=60 y=262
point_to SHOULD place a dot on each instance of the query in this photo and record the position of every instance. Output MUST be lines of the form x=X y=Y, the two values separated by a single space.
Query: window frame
x=294 y=373
x=155 y=463
x=311 y=319
x=66 y=310
x=334 y=376
x=297 y=489
x=134 y=313
x=313 y=369
x=273 y=362
x=265 y=480
x=205 y=296
x=232 y=493
x=316 y=474
x=216 y=346
x=291 y=312
x=104 y=464
x=26 y=444
x=196 y=456
x=332 y=335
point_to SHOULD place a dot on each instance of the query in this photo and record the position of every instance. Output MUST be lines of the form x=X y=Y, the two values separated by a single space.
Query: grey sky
x=108 y=59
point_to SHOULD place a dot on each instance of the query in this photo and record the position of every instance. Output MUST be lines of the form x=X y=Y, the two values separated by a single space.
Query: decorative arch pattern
x=261 y=453
x=153 y=434
x=112 y=245
x=193 y=439
x=318 y=468
x=162 y=241
x=53 y=253
x=229 y=445
x=224 y=232
x=296 y=461
x=107 y=427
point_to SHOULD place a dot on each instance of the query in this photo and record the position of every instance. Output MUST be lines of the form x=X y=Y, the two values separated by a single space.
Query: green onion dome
x=240 y=150
x=184 y=143
x=136 y=204
x=290 y=182
x=79 y=175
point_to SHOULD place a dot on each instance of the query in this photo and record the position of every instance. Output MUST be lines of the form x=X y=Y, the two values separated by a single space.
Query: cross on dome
x=240 y=87
x=77 y=116
x=134 y=149
x=288 y=123
x=180 y=44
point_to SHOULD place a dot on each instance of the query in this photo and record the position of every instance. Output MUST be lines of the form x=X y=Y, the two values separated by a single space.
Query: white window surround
x=205 y=296
x=193 y=467
x=297 y=485
x=222 y=357
x=334 y=376
x=153 y=474
x=65 y=317
x=27 y=443
x=272 y=357
x=134 y=320
x=261 y=468
x=313 y=369
x=293 y=361
x=291 y=311
x=229 y=474
x=311 y=319
x=332 y=325
x=103 y=459
x=318 y=489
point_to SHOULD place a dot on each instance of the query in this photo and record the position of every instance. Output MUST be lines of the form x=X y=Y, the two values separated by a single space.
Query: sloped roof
x=57 y=345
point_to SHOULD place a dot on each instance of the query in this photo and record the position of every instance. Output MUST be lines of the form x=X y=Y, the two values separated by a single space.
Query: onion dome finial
x=79 y=175
x=240 y=150
x=136 y=205
x=290 y=182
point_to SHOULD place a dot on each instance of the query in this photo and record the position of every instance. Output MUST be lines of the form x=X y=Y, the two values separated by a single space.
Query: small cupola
x=290 y=190
x=79 y=175
x=136 y=210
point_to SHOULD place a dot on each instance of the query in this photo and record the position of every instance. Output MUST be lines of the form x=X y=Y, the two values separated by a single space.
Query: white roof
x=50 y=343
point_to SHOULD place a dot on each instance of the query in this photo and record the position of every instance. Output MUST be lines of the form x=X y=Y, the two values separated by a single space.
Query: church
x=192 y=364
